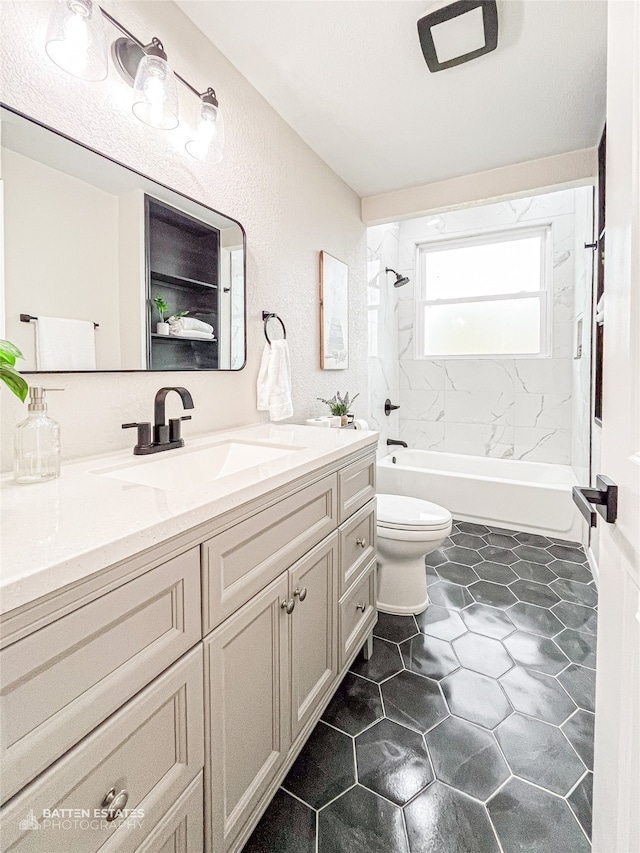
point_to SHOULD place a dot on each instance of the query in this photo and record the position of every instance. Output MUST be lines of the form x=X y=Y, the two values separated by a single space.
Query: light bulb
x=208 y=141
x=155 y=91
x=76 y=40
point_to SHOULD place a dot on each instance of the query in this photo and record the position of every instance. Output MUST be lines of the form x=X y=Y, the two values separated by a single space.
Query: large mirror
x=96 y=257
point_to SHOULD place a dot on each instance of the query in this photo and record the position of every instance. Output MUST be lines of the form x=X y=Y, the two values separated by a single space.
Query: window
x=485 y=296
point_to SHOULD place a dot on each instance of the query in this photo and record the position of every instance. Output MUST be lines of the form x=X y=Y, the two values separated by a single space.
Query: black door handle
x=604 y=497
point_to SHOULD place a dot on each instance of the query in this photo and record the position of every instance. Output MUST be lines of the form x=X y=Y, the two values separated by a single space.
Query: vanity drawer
x=60 y=682
x=356 y=486
x=357 y=544
x=152 y=748
x=240 y=561
x=356 y=622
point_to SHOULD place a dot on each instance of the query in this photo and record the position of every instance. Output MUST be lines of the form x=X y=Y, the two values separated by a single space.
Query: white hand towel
x=600 y=311
x=194 y=334
x=65 y=344
x=187 y=323
x=274 y=381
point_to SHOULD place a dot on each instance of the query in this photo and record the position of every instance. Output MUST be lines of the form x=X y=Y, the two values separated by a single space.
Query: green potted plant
x=340 y=406
x=162 y=328
x=12 y=379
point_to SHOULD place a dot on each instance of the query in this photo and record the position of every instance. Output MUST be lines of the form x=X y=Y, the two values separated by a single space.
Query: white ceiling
x=350 y=78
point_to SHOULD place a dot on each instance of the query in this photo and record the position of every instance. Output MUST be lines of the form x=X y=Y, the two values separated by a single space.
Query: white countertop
x=57 y=532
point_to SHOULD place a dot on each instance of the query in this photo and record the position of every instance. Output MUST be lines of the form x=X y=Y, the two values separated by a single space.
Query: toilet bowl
x=407 y=530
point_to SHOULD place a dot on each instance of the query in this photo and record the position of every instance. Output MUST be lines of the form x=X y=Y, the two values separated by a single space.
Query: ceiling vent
x=453 y=33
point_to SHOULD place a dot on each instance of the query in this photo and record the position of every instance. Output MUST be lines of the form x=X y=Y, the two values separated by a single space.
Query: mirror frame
x=41 y=124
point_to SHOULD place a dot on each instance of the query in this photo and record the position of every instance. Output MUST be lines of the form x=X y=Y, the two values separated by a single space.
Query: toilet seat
x=403 y=513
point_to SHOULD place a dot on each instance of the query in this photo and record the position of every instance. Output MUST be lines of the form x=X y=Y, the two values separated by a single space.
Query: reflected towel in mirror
x=190 y=324
x=65 y=344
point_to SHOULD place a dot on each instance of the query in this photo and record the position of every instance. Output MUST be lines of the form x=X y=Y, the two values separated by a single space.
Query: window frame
x=501 y=235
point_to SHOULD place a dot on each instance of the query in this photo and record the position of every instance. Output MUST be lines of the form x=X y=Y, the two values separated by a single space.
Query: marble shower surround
x=382 y=305
x=517 y=408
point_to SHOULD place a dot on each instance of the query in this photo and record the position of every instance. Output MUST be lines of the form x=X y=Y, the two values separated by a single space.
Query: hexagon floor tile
x=526 y=818
x=476 y=698
x=539 y=753
x=313 y=779
x=413 y=701
x=482 y=654
x=440 y=622
x=467 y=758
x=393 y=762
x=475 y=718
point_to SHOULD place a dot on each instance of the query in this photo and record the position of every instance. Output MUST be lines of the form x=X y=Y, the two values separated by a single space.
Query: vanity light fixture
x=155 y=91
x=76 y=42
x=76 y=39
x=453 y=33
x=208 y=141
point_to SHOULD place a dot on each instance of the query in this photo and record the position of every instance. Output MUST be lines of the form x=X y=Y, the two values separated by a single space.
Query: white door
x=616 y=818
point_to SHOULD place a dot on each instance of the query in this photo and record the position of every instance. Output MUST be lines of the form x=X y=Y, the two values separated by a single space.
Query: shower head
x=400 y=279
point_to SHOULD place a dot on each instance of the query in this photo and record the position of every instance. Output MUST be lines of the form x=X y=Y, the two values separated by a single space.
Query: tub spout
x=393 y=441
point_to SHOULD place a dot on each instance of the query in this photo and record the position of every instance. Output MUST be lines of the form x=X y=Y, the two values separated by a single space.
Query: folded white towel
x=187 y=323
x=600 y=311
x=274 y=381
x=65 y=344
x=194 y=334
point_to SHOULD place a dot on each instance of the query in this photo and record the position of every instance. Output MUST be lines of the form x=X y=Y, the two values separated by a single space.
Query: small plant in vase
x=340 y=406
x=162 y=328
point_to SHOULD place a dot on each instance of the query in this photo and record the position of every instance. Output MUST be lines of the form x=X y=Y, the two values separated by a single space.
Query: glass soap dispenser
x=36 y=454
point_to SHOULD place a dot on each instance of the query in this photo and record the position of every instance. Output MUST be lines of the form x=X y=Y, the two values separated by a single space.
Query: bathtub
x=534 y=497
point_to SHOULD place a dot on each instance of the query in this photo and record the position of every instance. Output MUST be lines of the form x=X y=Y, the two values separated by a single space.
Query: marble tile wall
x=512 y=408
x=382 y=303
x=583 y=296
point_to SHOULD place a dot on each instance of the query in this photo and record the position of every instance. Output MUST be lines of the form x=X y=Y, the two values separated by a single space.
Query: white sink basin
x=182 y=470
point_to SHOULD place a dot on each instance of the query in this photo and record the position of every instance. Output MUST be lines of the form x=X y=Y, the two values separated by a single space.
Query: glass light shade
x=155 y=93
x=208 y=142
x=76 y=39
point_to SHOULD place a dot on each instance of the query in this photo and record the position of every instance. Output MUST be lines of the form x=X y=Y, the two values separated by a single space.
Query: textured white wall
x=511 y=408
x=290 y=203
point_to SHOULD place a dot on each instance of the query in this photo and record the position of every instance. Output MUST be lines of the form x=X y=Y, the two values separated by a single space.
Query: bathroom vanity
x=168 y=649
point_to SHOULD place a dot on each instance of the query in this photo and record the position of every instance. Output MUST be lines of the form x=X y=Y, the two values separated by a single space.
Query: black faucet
x=393 y=441
x=165 y=436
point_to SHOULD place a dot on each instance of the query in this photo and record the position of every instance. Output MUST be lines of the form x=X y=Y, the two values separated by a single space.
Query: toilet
x=407 y=530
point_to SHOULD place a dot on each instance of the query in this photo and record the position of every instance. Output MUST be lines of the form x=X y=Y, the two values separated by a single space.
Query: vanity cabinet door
x=246 y=711
x=313 y=587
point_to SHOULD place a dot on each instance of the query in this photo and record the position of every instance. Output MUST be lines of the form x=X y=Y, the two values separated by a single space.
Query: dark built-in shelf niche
x=183 y=266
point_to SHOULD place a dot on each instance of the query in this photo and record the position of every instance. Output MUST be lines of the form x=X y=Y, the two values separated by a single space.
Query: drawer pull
x=361 y=542
x=361 y=606
x=301 y=593
x=288 y=605
x=115 y=803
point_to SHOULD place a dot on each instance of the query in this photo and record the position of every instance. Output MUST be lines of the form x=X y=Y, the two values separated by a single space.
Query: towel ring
x=266 y=316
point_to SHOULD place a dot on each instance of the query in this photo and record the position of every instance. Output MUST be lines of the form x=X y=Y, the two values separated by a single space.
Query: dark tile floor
x=470 y=730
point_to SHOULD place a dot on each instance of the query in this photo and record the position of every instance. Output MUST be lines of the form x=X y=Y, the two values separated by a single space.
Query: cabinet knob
x=288 y=605
x=115 y=803
x=361 y=542
x=361 y=606
x=301 y=593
